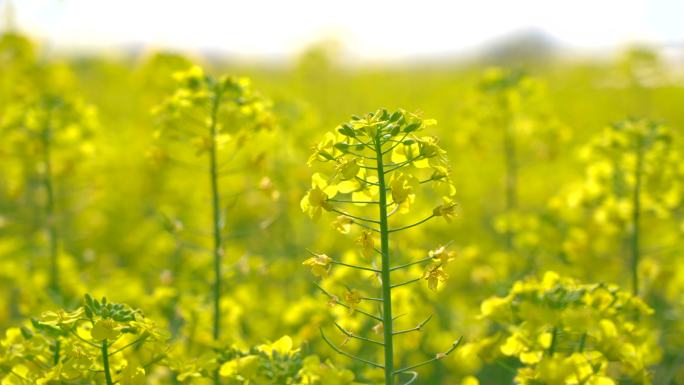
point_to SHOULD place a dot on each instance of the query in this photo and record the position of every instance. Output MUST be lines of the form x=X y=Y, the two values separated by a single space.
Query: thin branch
x=437 y=357
x=356 y=267
x=366 y=181
x=413 y=225
x=141 y=339
x=342 y=352
x=394 y=211
x=354 y=153
x=396 y=144
x=368 y=167
x=368 y=145
x=420 y=260
x=355 y=217
x=405 y=283
x=411 y=263
x=415 y=329
x=352 y=335
x=344 y=305
x=345 y=264
x=365 y=226
x=83 y=339
x=402 y=164
x=414 y=377
x=352 y=201
x=372 y=299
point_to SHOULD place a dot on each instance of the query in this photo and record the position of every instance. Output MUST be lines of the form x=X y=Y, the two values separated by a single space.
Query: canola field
x=169 y=219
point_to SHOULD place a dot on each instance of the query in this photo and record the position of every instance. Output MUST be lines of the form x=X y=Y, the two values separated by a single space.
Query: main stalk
x=50 y=207
x=105 y=363
x=636 y=212
x=511 y=177
x=386 y=284
x=216 y=216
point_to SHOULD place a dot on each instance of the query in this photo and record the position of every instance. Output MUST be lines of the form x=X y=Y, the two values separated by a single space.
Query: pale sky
x=369 y=29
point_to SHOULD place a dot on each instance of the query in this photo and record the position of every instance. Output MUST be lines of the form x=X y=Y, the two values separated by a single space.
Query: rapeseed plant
x=213 y=114
x=380 y=161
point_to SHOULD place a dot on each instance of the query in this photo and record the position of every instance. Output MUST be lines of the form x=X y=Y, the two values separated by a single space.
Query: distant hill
x=523 y=47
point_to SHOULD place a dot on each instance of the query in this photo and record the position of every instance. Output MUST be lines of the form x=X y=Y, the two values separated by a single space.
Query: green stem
x=105 y=363
x=636 y=209
x=385 y=274
x=511 y=176
x=554 y=337
x=50 y=207
x=216 y=210
x=582 y=342
x=55 y=356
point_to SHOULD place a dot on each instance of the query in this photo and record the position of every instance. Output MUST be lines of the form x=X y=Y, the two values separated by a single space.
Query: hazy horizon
x=383 y=32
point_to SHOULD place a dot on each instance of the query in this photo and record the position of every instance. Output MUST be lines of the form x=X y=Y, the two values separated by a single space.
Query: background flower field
x=563 y=234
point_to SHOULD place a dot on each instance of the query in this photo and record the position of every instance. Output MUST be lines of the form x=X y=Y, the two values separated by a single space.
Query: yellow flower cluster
x=633 y=154
x=201 y=106
x=81 y=346
x=279 y=362
x=350 y=148
x=565 y=332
